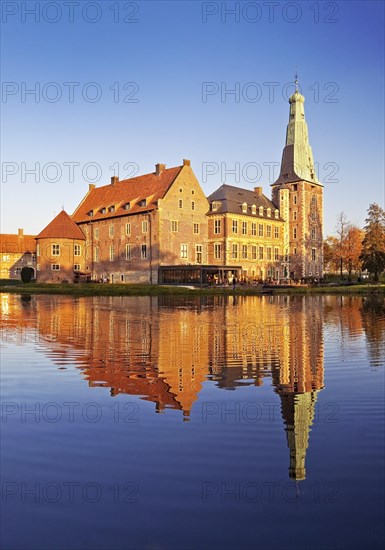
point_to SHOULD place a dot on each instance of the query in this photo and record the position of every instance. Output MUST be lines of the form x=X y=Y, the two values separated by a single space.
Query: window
x=295 y=215
x=254 y=229
x=174 y=226
x=112 y=208
x=127 y=206
x=314 y=200
x=128 y=252
x=180 y=203
x=192 y=191
x=215 y=205
x=244 y=207
x=261 y=252
x=268 y=231
x=38 y=267
x=192 y=205
x=276 y=232
x=217 y=226
x=261 y=210
x=103 y=210
x=295 y=250
x=183 y=251
x=244 y=228
x=143 y=202
x=96 y=232
x=313 y=251
x=199 y=253
x=294 y=232
x=180 y=190
x=33 y=258
x=144 y=227
x=313 y=233
x=253 y=209
x=276 y=213
x=235 y=226
x=77 y=250
x=111 y=231
x=276 y=254
x=90 y=213
x=268 y=253
x=260 y=230
x=128 y=229
x=122 y=278
x=295 y=187
x=55 y=267
x=143 y=252
x=96 y=254
x=217 y=251
x=56 y=250
x=268 y=212
x=294 y=199
x=244 y=251
x=112 y=253
x=196 y=228
x=234 y=253
x=76 y=267
x=253 y=252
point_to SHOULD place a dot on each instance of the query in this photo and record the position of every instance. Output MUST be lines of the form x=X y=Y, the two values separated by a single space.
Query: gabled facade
x=135 y=226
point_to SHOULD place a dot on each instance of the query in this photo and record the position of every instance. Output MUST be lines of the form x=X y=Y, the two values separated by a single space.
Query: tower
x=299 y=196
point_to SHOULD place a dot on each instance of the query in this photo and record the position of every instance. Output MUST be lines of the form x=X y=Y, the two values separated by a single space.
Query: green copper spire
x=297 y=158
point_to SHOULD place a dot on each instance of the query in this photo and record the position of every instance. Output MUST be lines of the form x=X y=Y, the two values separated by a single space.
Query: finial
x=296 y=80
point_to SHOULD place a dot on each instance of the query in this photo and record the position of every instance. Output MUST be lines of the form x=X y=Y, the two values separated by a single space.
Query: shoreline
x=89 y=289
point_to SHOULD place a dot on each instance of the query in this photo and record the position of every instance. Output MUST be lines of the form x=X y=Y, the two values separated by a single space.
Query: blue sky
x=149 y=82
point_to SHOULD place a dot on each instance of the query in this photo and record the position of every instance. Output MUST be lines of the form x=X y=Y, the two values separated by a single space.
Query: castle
x=161 y=228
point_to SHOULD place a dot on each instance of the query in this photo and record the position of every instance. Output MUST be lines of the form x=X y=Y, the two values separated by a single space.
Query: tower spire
x=297 y=158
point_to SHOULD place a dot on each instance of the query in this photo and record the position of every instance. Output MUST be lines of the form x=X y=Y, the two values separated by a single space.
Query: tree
x=353 y=248
x=373 y=245
x=331 y=254
x=342 y=228
x=26 y=274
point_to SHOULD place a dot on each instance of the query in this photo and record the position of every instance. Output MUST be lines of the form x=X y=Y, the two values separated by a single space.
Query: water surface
x=173 y=423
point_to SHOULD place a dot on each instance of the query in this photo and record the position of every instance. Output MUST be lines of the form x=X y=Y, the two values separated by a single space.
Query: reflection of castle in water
x=163 y=350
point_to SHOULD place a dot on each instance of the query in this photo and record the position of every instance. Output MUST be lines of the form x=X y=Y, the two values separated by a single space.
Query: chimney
x=91 y=186
x=186 y=162
x=114 y=179
x=258 y=191
x=20 y=232
x=159 y=168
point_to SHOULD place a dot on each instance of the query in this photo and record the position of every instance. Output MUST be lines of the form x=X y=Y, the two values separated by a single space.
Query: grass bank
x=159 y=290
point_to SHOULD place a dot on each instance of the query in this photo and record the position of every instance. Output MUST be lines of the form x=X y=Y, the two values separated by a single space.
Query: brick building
x=161 y=228
x=60 y=250
x=16 y=252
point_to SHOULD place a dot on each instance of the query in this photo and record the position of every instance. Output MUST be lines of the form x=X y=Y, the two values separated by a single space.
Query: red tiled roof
x=61 y=227
x=149 y=186
x=11 y=243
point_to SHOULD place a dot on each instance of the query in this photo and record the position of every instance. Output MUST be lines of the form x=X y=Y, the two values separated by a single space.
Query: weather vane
x=296 y=80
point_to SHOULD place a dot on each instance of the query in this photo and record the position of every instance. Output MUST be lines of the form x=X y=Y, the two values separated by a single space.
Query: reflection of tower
x=298 y=414
x=300 y=375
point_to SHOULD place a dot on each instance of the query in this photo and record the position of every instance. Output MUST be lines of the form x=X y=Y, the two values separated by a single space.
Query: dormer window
x=244 y=207
x=215 y=205
x=143 y=202
x=112 y=208
x=268 y=212
x=253 y=209
x=103 y=210
x=261 y=210
x=276 y=213
x=90 y=213
x=127 y=206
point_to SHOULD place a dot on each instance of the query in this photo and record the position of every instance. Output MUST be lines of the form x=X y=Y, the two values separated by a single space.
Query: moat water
x=181 y=423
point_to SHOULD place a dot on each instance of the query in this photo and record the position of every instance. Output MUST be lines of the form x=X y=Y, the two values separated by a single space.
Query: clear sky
x=120 y=86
